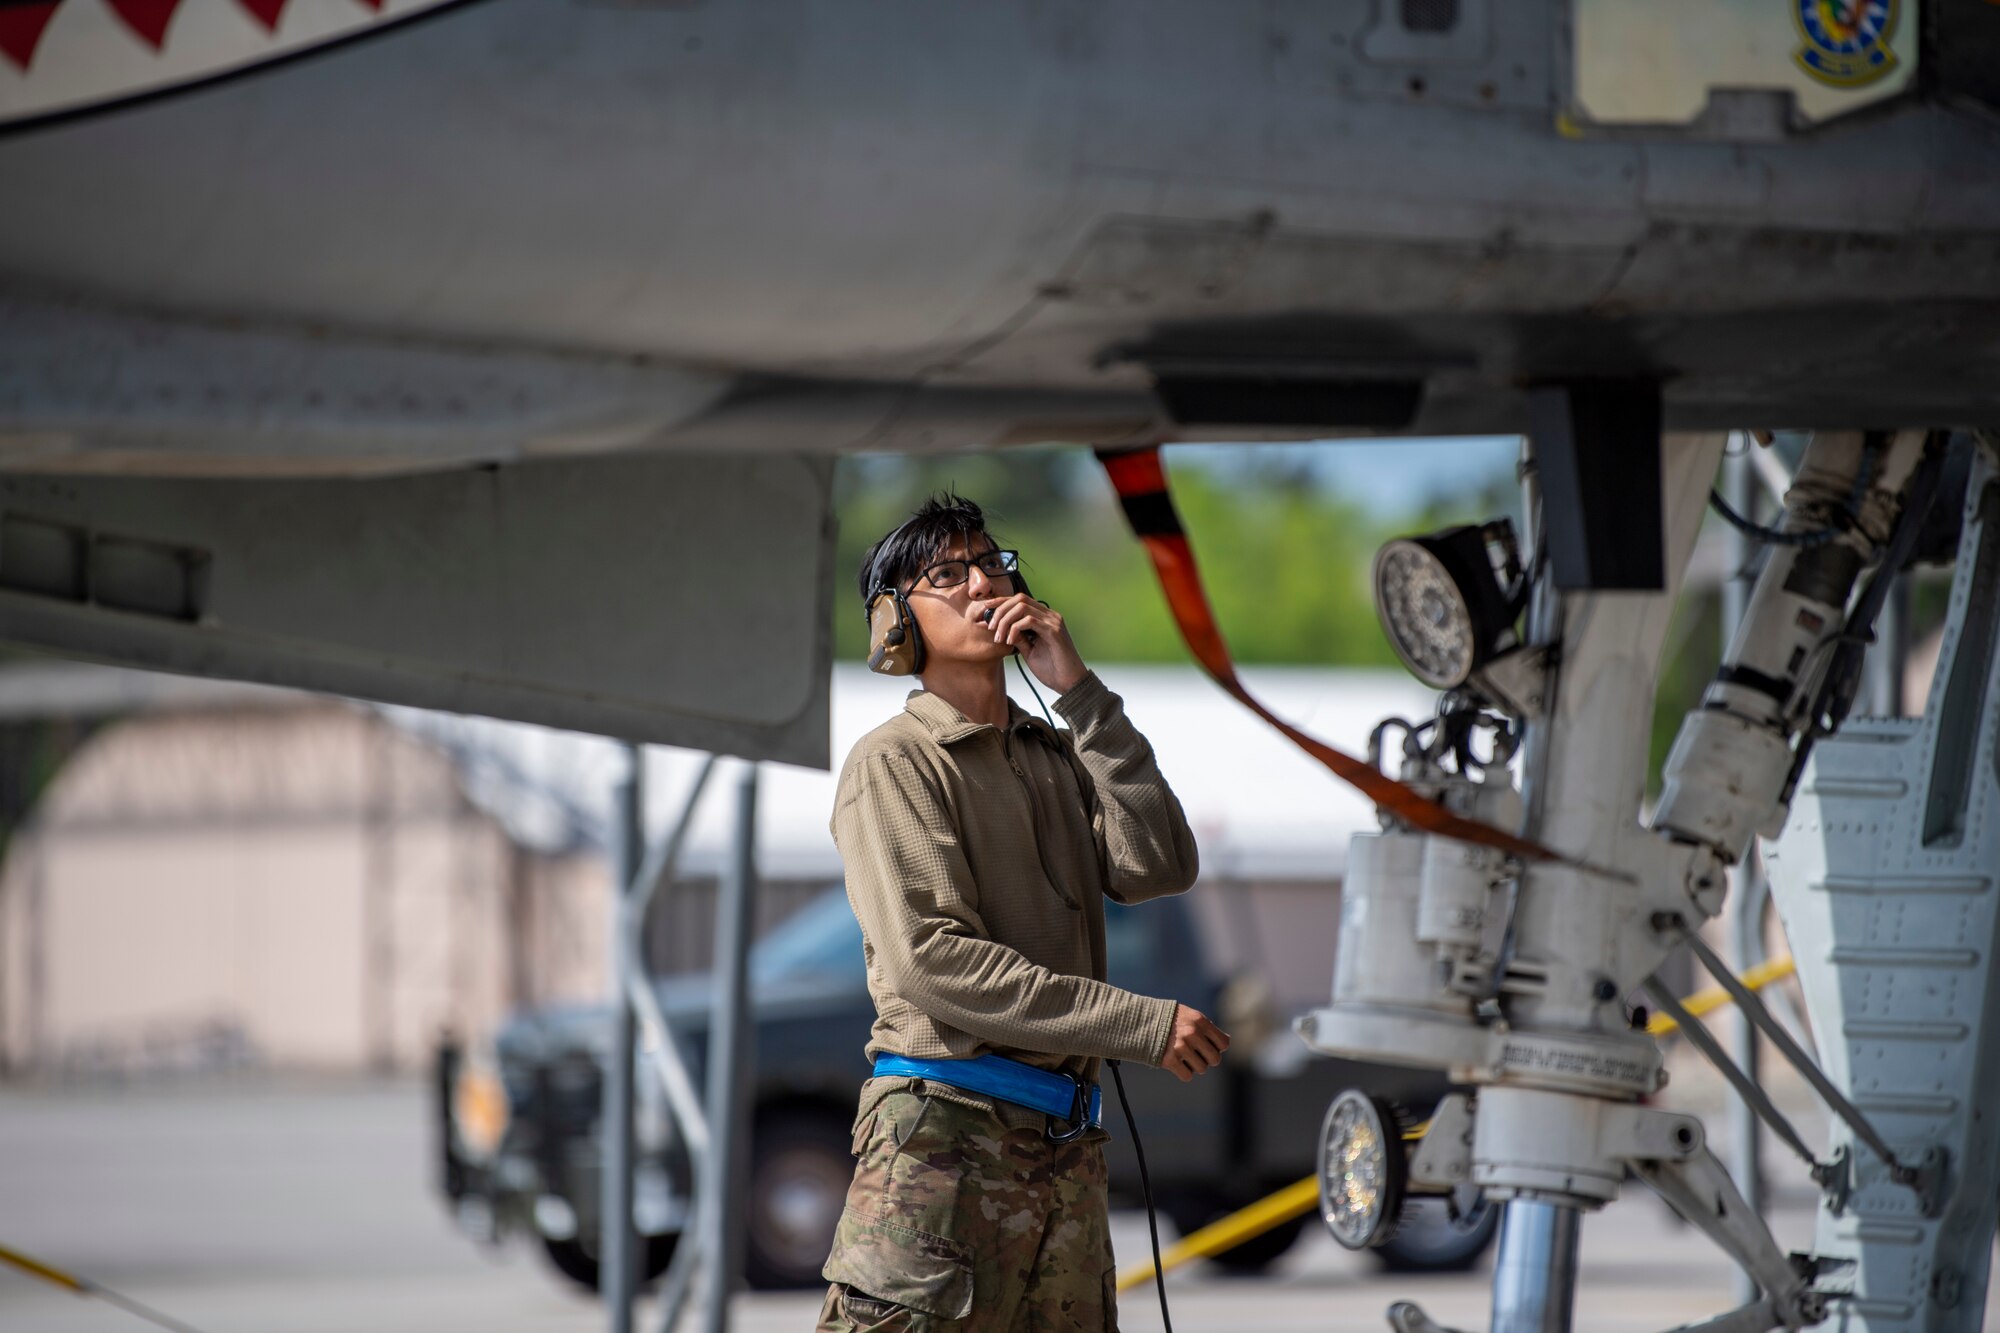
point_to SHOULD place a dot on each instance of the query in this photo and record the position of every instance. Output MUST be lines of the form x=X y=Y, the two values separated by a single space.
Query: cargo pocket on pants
x=848 y=1311
x=884 y=1263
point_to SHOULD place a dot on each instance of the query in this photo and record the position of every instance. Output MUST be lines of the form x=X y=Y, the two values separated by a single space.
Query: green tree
x=1286 y=565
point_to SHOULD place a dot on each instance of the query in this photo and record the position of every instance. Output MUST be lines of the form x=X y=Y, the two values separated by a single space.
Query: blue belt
x=1057 y=1096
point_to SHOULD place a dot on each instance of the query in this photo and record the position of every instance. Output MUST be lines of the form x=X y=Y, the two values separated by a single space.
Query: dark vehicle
x=520 y=1118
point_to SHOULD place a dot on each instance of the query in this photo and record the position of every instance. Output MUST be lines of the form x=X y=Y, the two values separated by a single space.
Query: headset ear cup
x=894 y=646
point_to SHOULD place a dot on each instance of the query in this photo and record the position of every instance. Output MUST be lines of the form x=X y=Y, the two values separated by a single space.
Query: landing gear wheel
x=579 y=1264
x=799 y=1176
x=1430 y=1239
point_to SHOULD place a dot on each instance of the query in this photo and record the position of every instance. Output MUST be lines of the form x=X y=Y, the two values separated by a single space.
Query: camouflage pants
x=955 y=1221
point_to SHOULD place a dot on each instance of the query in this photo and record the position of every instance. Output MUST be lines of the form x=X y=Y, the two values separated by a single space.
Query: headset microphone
x=1020 y=586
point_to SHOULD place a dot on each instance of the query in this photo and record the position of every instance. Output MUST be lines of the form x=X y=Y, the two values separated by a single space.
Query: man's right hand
x=1196 y=1045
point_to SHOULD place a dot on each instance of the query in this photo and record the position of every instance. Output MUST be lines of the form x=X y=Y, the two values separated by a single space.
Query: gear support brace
x=1141 y=483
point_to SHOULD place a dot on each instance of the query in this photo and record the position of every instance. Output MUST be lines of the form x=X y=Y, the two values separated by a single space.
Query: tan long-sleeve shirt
x=978 y=861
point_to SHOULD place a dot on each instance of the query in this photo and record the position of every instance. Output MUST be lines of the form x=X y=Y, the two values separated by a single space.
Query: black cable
x=1864 y=477
x=1131 y=1125
x=1770 y=536
x=1145 y=1188
x=1032 y=690
x=1842 y=678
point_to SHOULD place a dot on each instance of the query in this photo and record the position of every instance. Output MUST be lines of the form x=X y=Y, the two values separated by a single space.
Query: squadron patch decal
x=1846 y=41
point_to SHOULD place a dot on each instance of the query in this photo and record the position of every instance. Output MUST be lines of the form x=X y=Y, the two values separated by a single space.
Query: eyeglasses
x=993 y=564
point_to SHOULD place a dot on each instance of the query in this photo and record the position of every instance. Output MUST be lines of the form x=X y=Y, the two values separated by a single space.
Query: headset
x=895 y=646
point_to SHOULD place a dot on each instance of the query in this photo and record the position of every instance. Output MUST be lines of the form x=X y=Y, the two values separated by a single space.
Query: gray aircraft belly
x=518 y=233
x=1035 y=199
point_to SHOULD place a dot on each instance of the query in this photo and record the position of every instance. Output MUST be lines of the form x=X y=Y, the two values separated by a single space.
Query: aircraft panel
x=677 y=599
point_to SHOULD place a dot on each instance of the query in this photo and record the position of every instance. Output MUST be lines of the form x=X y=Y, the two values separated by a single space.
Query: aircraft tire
x=578 y=1263
x=801 y=1166
x=1430 y=1240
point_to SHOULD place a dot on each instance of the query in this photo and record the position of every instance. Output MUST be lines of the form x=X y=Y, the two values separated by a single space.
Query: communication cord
x=1145 y=1188
x=1131 y=1125
x=1030 y=682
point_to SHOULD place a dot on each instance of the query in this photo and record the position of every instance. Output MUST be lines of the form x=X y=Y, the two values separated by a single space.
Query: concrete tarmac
x=260 y=1206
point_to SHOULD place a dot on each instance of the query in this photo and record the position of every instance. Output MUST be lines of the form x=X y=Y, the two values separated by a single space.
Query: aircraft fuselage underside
x=506 y=227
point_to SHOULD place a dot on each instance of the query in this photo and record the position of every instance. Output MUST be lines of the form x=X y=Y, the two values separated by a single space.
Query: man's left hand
x=1037 y=633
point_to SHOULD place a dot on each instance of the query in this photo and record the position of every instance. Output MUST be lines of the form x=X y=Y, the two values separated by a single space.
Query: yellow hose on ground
x=1231 y=1231
x=1715 y=997
x=1227 y=1233
x=85 y=1287
x=36 y=1268
x=1303 y=1196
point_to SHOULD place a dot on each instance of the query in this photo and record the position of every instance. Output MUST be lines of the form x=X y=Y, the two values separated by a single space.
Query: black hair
x=919 y=540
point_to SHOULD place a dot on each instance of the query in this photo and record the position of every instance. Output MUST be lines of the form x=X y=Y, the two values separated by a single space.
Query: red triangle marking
x=375 y=5
x=21 y=29
x=147 y=18
x=265 y=12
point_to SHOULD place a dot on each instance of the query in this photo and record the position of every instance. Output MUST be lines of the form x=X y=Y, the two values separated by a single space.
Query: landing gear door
x=671 y=598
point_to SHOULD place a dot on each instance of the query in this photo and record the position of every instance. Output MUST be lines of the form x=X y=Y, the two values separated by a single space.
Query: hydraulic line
x=1799 y=1060
x=1716 y=997
x=1843 y=674
x=1864 y=476
x=1705 y=1042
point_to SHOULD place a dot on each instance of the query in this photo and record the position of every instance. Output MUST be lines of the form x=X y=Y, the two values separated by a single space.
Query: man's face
x=949 y=618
